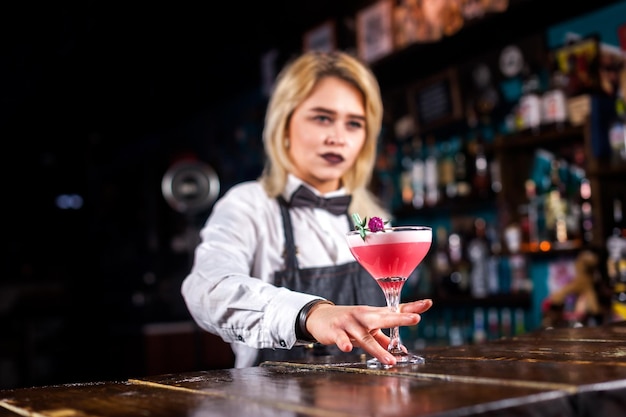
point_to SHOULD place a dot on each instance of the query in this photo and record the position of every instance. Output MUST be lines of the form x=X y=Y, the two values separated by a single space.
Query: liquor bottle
x=446 y=168
x=431 y=174
x=616 y=262
x=481 y=181
x=506 y=322
x=441 y=261
x=586 y=211
x=519 y=277
x=451 y=264
x=480 y=334
x=478 y=253
x=516 y=265
x=418 y=174
x=520 y=321
x=458 y=281
x=532 y=221
x=556 y=205
x=406 y=186
x=617 y=132
x=493 y=263
x=496 y=176
x=554 y=102
x=493 y=324
x=461 y=176
x=530 y=103
x=455 y=335
x=403 y=136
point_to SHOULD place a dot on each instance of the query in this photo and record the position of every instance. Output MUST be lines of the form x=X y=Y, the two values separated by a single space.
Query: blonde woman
x=273 y=275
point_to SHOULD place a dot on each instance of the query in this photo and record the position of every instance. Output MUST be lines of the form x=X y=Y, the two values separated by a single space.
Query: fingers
x=376 y=345
x=388 y=319
x=381 y=338
x=350 y=326
x=418 y=306
x=343 y=342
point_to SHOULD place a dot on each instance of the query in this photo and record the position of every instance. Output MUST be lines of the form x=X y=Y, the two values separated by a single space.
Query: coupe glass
x=391 y=256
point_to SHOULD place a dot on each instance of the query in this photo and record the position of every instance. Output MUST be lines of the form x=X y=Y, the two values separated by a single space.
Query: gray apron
x=347 y=284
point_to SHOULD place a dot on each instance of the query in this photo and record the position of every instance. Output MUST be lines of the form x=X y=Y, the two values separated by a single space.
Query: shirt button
x=240 y=338
x=283 y=343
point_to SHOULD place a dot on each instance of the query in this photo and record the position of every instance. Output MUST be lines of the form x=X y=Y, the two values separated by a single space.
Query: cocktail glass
x=391 y=256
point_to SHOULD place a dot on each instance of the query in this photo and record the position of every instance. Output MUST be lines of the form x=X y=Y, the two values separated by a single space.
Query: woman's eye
x=355 y=124
x=322 y=118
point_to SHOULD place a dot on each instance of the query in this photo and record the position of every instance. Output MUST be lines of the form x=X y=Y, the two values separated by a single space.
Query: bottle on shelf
x=461 y=175
x=520 y=321
x=537 y=189
x=441 y=261
x=493 y=323
x=530 y=104
x=517 y=266
x=495 y=174
x=418 y=174
x=404 y=137
x=481 y=176
x=582 y=209
x=478 y=254
x=446 y=170
x=617 y=132
x=455 y=334
x=493 y=262
x=480 y=333
x=458 y=282
x=506 y=322
x=450 y=265
x=556 y=206
x=406 y=180
x=531 y=217
x=554 y=102
x=431 y=174
x=616 y=262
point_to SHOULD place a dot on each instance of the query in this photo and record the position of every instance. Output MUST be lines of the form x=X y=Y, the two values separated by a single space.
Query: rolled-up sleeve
x=229 y=289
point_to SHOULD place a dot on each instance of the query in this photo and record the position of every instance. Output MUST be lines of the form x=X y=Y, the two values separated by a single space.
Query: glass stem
x=393 y=303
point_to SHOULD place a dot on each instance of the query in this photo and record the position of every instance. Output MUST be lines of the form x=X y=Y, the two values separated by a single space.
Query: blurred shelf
x=493 y=31
x=549 y=136
x=547 y=249
x=449 y=207
x=519 y=300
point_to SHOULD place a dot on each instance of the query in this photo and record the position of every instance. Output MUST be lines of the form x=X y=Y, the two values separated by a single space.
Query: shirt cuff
x=281 y=318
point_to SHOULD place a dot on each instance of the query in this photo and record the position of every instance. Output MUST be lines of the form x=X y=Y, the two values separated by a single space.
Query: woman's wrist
x=302 y=334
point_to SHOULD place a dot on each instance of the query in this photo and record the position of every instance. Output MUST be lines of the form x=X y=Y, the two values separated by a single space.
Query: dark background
x=99 y=99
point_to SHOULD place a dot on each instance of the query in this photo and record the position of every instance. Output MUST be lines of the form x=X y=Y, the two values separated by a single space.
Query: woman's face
x=326 y=133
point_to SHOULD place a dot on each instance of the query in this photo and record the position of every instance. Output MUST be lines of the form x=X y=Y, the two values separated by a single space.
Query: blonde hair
x=293 y=85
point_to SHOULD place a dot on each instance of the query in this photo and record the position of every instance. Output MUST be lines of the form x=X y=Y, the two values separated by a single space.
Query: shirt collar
x=294 y=182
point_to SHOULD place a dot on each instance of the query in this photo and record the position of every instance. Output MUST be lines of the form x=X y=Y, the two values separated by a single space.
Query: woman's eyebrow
x=332 y=112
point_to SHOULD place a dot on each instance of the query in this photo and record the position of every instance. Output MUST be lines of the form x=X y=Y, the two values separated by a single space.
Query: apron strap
x=289 y=252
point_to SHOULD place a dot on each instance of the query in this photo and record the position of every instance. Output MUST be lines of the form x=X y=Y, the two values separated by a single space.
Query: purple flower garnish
x=376 y=224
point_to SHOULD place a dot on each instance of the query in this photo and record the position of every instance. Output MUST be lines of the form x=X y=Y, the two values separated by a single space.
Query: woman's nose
x=335 y=137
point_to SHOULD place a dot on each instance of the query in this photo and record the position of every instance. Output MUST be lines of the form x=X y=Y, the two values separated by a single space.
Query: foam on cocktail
x=380 y=238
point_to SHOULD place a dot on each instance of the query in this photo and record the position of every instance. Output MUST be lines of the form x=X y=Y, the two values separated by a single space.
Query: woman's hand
x=361 y=326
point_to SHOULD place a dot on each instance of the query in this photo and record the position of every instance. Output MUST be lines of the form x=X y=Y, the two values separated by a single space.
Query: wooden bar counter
x=555 y=373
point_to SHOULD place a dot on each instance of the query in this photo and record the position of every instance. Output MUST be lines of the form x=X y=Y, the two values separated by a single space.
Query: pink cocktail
x=390 y=256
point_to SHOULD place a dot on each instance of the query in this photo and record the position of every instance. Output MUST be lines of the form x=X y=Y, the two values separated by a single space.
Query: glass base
x=402 y=359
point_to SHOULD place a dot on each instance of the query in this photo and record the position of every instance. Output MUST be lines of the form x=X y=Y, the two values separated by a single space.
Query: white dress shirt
x=229 y=290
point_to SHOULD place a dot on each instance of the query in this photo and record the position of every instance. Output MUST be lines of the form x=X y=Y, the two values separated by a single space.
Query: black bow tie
x=303 y=197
